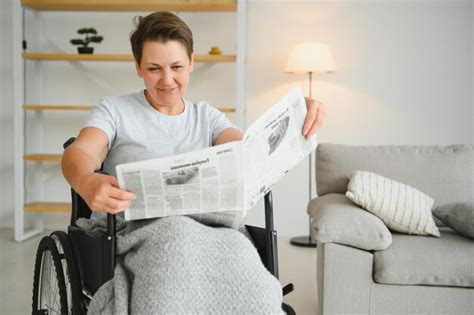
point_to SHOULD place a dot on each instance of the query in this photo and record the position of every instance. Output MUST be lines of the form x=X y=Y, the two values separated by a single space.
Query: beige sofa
x=415 y=274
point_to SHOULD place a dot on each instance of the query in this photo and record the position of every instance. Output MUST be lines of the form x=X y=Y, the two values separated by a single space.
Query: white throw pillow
x=401 y=207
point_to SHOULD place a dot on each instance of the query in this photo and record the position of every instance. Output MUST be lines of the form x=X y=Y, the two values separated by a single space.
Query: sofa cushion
x=338 y=220
x=418 y=260
x=459 y=216
x=442 y=172
x=401 y=207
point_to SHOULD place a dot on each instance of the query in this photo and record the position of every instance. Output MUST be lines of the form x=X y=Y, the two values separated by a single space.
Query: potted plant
x=91 y=37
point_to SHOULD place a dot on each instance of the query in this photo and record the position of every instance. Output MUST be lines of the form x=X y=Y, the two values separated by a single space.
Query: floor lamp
x=309 y=58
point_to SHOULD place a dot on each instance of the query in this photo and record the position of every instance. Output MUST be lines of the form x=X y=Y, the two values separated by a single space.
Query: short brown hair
x=161 y=27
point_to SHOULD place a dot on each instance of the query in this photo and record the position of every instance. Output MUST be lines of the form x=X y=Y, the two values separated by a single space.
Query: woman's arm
x=313 y=121
x=229 y=135
x=80 y=161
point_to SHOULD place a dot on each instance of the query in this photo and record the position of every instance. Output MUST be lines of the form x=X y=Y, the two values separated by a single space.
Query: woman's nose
x=167 y=77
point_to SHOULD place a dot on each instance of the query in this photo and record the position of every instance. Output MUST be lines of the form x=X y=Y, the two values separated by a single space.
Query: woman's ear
x=191 y=65
x=139 y=71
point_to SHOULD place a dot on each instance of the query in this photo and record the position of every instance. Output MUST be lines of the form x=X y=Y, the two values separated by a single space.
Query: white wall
x=6 y=115
x=404 y=77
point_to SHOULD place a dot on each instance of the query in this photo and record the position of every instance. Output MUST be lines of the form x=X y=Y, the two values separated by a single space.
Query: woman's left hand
x=314 y=117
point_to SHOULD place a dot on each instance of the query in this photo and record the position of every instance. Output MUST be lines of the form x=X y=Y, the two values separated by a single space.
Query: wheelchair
x=70 y=267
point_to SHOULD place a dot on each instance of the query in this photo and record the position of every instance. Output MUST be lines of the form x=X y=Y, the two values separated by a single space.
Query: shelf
x=115 y=57
x=48 y=207
x=43 y=157
x=215 y=58
x=226 y=109
x=132 y=5
x=89 y=107
x=57 y=107
x=40 y=112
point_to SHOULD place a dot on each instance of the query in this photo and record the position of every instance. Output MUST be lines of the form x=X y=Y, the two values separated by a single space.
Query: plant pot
x=85 y=50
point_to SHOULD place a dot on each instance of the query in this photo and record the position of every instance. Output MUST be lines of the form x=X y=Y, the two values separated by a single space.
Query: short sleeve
x=103 y=116
x=218 y=122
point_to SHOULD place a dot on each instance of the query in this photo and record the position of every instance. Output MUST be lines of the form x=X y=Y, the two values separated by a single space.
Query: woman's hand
x=102 y=193
x=314 y=117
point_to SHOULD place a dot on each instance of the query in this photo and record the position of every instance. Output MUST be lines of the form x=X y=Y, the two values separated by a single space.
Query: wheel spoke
x=54 y=294
x=47 y=277
x=52 y=285
x=49 y=289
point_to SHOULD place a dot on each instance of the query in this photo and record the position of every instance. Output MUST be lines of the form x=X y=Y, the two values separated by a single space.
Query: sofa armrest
x=344 y=276
x=336 y=219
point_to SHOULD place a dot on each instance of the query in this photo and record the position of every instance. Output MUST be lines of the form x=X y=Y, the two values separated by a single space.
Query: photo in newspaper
x=218 y=185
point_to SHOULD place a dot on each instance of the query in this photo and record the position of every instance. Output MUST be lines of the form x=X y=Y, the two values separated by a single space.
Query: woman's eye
x=177 y=67
x=153 y=69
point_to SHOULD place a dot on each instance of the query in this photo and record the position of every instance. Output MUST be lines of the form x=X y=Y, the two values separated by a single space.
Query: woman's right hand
x=102 y=193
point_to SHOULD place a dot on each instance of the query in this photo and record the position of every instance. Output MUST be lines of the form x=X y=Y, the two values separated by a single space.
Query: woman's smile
x=167 y=89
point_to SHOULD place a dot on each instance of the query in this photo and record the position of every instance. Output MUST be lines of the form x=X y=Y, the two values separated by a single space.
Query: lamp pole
x=306 y=241
x=309 y=57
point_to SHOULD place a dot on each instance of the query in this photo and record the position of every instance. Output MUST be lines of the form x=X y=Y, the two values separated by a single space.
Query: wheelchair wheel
x=72 y=277
x=49 y=288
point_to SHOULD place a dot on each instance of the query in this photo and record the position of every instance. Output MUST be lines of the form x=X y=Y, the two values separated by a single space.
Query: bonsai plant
x=91 y=37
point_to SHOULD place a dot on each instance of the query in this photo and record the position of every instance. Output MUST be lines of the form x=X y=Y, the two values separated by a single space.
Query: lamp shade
x=310 y=57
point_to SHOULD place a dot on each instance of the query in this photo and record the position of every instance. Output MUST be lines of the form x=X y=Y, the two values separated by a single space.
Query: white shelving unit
x=22 y=155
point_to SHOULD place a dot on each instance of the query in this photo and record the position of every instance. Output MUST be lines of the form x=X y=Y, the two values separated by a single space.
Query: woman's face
x=165 y=69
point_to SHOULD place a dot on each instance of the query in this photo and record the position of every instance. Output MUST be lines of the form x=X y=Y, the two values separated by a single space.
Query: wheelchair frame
x=90 y=256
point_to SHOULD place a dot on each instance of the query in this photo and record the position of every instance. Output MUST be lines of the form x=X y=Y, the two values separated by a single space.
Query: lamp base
x=304 y=241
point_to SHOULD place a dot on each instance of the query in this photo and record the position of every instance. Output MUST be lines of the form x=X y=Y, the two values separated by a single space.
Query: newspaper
x=218 y=185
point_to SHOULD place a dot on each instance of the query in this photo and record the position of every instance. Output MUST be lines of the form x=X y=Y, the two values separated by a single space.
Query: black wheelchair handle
x=68 y=142
x=288 y=288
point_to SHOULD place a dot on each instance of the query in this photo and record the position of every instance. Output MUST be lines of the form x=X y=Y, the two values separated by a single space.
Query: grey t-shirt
x=136 y=131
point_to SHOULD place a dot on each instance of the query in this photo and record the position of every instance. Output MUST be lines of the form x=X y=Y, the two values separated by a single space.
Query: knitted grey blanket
x=175 y=265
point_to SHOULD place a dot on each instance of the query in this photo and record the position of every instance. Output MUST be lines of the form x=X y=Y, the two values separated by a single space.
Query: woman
x=171 y=265
x=153 y=123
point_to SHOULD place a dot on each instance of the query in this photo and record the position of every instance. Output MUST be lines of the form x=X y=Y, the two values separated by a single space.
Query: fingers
x=109 y=204
x=318 y=122
x=314 y=117
x=310 y=115
x=115 y=206
x=108 y=197
x=118 y=200
x=121 y=194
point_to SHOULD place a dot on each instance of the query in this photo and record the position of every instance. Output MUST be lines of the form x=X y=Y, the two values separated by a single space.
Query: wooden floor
x=297 y=265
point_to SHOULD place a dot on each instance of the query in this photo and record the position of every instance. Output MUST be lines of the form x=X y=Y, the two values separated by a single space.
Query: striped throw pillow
x=401 y=207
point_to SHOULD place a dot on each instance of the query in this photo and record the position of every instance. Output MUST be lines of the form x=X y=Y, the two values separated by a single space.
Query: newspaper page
x=207 y=184
x=218 y=185
x=274 y=144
